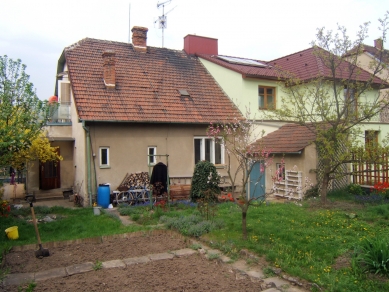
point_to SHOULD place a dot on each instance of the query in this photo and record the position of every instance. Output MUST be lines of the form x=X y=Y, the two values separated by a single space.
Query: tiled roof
x=304 y=65
x=290 y=138
x=380 y=55
x=147 y=86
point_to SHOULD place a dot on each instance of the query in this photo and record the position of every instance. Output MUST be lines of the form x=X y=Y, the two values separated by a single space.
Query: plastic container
x=103 y=195
x=96 y=210
x=12 y=232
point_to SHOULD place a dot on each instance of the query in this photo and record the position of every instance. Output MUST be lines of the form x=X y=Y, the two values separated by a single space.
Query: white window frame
x=151 y=160
x=212 y=154
x=107 y=165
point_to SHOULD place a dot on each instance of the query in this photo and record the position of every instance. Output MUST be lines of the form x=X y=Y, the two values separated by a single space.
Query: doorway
x=49 y=174
x=257 y=186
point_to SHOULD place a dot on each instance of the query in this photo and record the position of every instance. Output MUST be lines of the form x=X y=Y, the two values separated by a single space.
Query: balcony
x=61 y=115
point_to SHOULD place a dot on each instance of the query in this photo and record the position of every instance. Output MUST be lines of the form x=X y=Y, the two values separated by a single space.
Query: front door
x=257 y=180
x=49 y=175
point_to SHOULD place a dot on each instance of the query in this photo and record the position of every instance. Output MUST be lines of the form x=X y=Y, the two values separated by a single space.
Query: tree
x=335 y=102
x=40 y=149
x=22 y=113
x=238 y=140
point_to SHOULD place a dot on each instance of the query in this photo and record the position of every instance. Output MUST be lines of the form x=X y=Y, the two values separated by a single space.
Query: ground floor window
x=208 y=149
x=151 y=152
x=104 y=157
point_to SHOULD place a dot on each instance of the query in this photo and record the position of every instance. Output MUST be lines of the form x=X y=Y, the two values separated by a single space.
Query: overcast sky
x=37 y=31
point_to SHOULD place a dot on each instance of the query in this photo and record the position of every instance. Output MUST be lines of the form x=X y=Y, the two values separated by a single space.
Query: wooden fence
x=369 y=173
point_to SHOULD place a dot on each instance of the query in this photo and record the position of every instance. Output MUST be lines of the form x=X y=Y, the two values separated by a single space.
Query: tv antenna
x=162 y=20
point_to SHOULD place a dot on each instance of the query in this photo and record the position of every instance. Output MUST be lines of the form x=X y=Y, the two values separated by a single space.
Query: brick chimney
x=139 y=38
x=109 y=69
x=378 y=44
x=201 y=45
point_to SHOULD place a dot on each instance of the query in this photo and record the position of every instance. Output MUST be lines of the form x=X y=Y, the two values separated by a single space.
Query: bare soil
x=192 y=273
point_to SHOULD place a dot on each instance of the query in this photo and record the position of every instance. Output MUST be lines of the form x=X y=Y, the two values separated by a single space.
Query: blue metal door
x=257 y=180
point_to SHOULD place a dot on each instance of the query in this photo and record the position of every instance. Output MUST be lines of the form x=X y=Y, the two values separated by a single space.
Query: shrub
x=354 y=189
x=372 y=256
x=205 y=177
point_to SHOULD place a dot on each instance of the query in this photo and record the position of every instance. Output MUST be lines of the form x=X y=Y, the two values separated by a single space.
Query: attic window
x=242 y=61
x=184 y=92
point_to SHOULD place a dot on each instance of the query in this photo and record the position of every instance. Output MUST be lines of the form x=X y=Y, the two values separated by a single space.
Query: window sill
x=220 y=166
x=105 y=166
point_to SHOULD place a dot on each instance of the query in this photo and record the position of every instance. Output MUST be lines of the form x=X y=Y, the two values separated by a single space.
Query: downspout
x=89 y=183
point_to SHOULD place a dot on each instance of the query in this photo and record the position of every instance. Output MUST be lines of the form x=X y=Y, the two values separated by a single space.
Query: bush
x=205 y=177
x=354 y=189
x=372 y=256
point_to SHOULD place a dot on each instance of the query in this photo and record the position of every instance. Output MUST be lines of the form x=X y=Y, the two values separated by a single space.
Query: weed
x=30 y=287
x=98 y=265
x=213 y=256
x=196 y=246
x=268 y=272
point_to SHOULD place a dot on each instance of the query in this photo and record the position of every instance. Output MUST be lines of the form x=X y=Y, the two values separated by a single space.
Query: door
x=257 y=186
x=49 y=174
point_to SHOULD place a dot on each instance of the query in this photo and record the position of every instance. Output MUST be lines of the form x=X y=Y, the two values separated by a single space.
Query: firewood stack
x=137 y=180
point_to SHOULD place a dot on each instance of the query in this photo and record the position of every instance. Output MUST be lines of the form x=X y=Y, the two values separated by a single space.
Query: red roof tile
x=304 y=65
x=147 y=86
x=290 y=138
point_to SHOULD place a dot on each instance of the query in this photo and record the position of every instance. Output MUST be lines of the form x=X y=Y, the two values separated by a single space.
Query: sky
x=37 y=31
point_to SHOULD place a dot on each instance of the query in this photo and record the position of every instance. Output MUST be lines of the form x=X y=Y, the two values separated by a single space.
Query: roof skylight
x=242 y=61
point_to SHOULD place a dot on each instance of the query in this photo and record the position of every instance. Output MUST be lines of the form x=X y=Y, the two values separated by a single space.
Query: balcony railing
x=61 y=115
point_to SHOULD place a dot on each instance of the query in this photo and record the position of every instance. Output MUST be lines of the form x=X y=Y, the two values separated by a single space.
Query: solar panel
x=242 y=61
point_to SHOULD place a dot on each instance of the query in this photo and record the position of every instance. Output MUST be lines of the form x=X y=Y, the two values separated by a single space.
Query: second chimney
x=109 y=69
x=378 y=44
x=139 y=38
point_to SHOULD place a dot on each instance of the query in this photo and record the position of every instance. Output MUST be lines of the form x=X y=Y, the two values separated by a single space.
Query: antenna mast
x=162 y=19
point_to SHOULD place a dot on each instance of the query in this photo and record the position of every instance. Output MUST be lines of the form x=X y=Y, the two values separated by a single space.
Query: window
x=350 y=100
x=266 y=97
x=280 y=171
x=152 y=159
x=207 y=149
x=104 y=157
x=371 y=139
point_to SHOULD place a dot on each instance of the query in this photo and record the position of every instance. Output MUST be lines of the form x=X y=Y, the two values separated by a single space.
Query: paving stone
x=240 y=265
x=79 y=268
x=20 y=278
x=277 y=281
x=134 y=261
x=113 y=264
x=257 y=273
x=184 y=252
x=294 y=289
x=213 y=251
x=161 y=256
x=52 y=273
x=225 y=259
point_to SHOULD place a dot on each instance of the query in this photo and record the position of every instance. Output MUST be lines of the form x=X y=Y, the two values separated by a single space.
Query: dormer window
x=184 y=93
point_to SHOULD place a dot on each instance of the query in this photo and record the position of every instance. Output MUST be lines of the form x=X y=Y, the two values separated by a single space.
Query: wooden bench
x=179 y=192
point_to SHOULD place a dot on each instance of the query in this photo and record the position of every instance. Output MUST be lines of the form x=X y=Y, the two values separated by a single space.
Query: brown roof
x=147 y=86
x=382 y=55
x=290 y=138
x=304 y=65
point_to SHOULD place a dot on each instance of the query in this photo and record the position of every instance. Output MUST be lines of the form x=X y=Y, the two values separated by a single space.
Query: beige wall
x=306 y=162
x=128 y=148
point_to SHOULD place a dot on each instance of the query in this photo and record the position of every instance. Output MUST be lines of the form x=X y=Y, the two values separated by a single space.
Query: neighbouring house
x=257 y=86
x=123 y=108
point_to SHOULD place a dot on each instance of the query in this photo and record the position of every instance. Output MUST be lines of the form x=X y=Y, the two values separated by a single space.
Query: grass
x=307 y=242
x=69 y=224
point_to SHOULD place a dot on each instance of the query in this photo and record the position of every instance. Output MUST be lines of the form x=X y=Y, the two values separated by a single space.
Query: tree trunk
x=244 y=224
x=324 y=188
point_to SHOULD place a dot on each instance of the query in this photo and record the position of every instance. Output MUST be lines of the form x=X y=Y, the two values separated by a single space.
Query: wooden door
x=257 y=180
x=49 y=176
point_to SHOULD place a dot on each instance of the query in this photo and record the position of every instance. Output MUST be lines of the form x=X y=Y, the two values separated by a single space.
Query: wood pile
x=139 y=180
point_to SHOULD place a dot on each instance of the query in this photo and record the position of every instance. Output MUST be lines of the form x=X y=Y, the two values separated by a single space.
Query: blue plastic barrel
x=103 y=193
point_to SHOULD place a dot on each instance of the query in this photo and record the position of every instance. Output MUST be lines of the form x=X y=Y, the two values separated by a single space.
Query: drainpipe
x=89 y=183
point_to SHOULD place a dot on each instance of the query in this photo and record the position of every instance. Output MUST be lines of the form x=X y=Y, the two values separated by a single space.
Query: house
x=123 y=107
x=259 y=86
